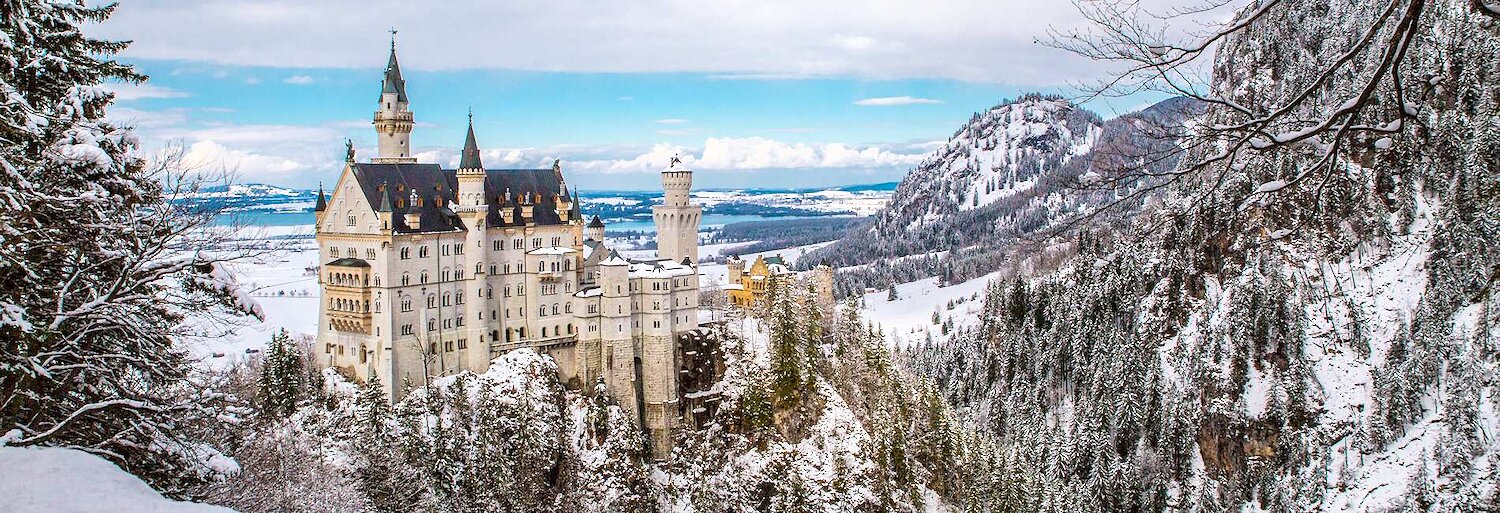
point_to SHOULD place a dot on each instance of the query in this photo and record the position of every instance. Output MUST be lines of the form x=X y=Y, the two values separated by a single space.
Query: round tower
x=393 y=120
x=677 y=219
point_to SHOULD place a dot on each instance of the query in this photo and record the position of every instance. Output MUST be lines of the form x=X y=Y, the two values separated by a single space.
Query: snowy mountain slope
x=1014 y=170
x=997 y=154
x=1326 y=348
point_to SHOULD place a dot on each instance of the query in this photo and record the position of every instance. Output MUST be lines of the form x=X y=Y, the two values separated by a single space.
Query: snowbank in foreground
x=56 y=480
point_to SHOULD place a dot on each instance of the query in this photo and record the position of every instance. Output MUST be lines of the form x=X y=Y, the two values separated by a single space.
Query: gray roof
x=431 y=181
x=596 y=223
x=349 y=262
x=393 y=82
x=470 y=156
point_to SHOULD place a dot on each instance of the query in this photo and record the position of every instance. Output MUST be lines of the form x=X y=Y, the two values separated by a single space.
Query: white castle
x=428 y=272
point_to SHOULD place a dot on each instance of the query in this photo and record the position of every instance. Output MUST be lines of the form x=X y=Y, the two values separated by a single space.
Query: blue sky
x=752 y=102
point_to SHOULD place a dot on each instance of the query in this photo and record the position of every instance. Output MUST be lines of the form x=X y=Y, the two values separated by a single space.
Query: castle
x=428 y=272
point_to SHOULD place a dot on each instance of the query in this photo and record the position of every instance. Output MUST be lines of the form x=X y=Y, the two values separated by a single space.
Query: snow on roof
x=590 y=292
x=554 y=250
x=734 y=286
x=614 y=259
x=659 y=269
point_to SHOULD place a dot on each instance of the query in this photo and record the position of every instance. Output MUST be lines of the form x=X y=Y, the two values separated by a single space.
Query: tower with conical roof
x=393 y=120
x=470 y=174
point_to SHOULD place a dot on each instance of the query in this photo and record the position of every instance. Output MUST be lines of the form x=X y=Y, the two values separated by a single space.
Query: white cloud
x=887 y=101
x=298 y=80
x=972 y=40
x=852 y=42
x=125 y=92
x=210 y=156
x=252 y=81
x=755 y=153
x=671 y=121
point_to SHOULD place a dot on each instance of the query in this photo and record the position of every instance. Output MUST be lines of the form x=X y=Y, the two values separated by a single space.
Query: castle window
x=406 y=329
x=656 y=305
x=377 y=307
x=521 y=290
x=432 y=348
x=544 y=332
x=515 y=244
x=536 y=242
x=554 y=266
x=431 y=324
x=447 y=299
x=567 y=307
x=492 y=268
x=458 y=297
x=554 y=308
x=478 y=268
x=507 y=291
x=424 y=275
x=447 y=274
x=507 y=268
x=363 y=355
x=406 y=253
x=422 y=252
x=333 y=252
x=499 y=245
x=431 y=301
x=448 y=346
x=556 y=241
x=350 y=220
x=369 y=254
x=568 y=265
x=445 y=249
x=593 y=308
x=541 y=310
x=656 y=324
x=458 y=249
x=463 y=343
x=405 y=279
x=377 y=280
x=406 y=304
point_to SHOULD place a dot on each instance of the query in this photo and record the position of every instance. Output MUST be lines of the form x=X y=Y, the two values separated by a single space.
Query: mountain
x=1329 y=345
x=1011 y=171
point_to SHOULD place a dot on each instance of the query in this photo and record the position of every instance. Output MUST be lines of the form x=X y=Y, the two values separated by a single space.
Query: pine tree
x=93 y=282
x=892 y=295
x=786 y=344
x=281 y=384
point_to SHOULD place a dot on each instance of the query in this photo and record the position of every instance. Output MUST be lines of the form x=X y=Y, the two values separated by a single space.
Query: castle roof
x=393 y=82
x=431 y=181
x=596 y=223
x=322 y=203
x=349 y=262
x=470 y=156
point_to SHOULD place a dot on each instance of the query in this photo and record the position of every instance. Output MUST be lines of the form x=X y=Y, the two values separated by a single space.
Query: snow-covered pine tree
x=88 y=325
x=786 y=344
x=280 y=387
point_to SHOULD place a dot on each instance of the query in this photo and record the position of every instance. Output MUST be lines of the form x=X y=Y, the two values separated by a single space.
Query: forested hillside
x=1306 y=322
x=1018 y=169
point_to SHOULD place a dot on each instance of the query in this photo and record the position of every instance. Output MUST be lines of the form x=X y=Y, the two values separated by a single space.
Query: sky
x=763 y=93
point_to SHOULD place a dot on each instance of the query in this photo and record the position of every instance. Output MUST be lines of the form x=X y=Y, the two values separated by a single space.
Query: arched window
x=424 y=276
x=405 y=279
x=431 y=300
x=405 y=253
x=406 y=304
x=554 y=308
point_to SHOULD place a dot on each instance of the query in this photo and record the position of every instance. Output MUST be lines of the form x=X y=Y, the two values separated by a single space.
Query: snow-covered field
x=908 y=320
x=286 y=292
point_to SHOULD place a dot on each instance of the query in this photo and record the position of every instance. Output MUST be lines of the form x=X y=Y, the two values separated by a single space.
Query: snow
x=58 y=480
x=908 y=319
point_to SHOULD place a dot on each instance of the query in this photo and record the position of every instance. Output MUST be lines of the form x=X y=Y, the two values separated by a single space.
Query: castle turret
x=595 y=230
x=322 y=205
x=393 y=120
x=470 y=174
x=676 y=218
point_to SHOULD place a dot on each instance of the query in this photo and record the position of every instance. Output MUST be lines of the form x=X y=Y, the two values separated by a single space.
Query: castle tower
x=676 y=219
x=393 y=121
x=472 y=210
x=595 y=230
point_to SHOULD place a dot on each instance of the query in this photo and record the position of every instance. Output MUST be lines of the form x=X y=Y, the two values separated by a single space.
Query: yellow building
x=748 y=280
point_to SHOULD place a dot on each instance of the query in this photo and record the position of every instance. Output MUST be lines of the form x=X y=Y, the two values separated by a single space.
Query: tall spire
x=393 y=82
x=469 y=159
